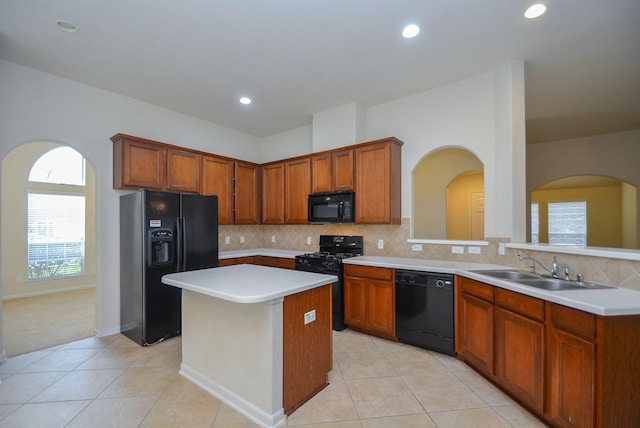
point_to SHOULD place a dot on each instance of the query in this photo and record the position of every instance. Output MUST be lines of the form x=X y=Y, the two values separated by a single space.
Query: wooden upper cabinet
x=273 y=193
x=377 y=182
x=297 y=184
x=183 y=171
x=342 y=171
x=332 y=171
x=217 y=179
x=247 y=200
x=138 y=163
x=321 y=173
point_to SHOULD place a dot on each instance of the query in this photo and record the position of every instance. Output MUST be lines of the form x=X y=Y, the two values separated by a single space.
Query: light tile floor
x=113 y=382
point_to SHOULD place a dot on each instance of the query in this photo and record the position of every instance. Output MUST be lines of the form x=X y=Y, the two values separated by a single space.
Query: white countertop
x=607 y=302
x=247 y=283
x=270 y=252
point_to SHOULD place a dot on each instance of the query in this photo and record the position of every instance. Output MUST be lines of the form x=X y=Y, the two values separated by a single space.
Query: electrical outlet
x=273 y=238
x=227 y=240
x=309 y=317
x=474 y=250
x=457 y=250
x=308 y=240
x=416 y=247
x=501 y=248
x=19 y=279
x=380 y=244
x=242 y=239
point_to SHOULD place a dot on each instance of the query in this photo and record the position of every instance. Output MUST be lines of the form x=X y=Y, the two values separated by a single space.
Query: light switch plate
x=308 y=240
x=227 y=240
x=474 y=250
x=457 y=250
x=416 y=247
x=380 y=244
x=273 y=238
x=242 y=239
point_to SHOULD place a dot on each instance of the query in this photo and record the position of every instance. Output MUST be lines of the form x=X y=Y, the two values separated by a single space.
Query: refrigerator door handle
x=179 y=249
x=184 y=243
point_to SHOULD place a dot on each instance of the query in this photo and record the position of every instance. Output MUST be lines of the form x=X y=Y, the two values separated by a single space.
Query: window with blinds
x=56 y=216
x=568 y=223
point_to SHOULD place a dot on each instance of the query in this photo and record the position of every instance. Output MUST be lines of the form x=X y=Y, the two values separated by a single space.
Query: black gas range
x=328 y=259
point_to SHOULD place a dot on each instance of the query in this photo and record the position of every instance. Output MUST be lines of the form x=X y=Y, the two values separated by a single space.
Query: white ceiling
x=298 y=57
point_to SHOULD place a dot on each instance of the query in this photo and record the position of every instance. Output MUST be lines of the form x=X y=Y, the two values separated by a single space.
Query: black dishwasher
x=424 y=310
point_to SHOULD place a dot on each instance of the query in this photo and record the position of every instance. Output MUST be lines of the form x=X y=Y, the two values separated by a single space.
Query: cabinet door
x=377 y=183
x=273 y=193
x=571 y=389
x=138 y=164
x=297 y=184
x=342 y=170
x=355 y=301
x=247 y=206
x=321 y=173
x=475 y=332
x=381 y=307
x=519 y=356
x=217 y=179
x=183 y=171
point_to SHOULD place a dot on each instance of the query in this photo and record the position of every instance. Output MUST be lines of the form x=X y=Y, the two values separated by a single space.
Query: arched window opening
x=56 y=215
x=62 y=165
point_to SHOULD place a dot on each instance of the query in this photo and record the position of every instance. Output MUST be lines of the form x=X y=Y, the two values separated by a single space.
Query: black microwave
x=337 y=207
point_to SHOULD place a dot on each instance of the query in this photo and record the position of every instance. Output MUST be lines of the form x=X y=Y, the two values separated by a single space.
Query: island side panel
x=308 y=355
x=235 y=351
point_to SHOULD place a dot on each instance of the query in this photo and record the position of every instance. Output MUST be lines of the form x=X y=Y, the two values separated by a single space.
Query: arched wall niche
x=431 y=177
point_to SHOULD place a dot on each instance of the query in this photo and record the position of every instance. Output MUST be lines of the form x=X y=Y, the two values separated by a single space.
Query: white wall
x=40 y=106
x=295 y=142
x=36 y=106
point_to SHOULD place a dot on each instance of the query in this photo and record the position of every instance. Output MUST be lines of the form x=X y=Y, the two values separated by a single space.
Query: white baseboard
x=234 y=401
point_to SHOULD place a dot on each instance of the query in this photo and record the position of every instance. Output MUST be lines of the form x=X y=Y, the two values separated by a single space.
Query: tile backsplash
x=618 y=272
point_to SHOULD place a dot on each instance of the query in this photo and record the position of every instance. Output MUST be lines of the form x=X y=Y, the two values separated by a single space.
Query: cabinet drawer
x=573 y=321
x=475 y=288
x=368 y=272
x=519 y=303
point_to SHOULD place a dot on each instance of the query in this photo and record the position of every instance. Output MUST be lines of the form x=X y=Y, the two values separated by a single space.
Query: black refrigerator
x=161 y=233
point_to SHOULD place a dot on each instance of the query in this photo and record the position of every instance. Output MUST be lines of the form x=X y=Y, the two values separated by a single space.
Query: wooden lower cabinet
x=474 y=324
x=570 y=367
x=307 y=348
x=369 y=299
x=519 y=362
x=250 y=260
x=279 y=262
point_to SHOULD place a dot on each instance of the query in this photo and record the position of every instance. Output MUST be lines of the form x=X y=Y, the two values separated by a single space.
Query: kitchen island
x=256 y=337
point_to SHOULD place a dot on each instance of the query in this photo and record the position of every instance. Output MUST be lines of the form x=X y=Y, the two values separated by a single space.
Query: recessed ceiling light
x=245 y=100
x=535 y=11
x=67 y=26
x=410 y=31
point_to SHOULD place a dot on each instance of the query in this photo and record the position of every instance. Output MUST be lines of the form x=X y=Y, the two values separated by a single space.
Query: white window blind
x=56 y=235
x=535 y=223
x=568 y=223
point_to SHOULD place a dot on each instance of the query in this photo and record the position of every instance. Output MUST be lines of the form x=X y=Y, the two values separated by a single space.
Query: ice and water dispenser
x=161 y=245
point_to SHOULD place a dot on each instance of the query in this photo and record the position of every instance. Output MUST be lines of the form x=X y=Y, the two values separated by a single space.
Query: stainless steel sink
x=543 y=283
x=551 y=284
x=506 y=274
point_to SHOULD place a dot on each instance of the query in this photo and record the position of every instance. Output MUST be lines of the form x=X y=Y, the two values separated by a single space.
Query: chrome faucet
x=567 y=277
x=554 y=268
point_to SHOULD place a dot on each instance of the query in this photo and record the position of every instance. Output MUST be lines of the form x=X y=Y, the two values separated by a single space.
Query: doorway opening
x=48 y=247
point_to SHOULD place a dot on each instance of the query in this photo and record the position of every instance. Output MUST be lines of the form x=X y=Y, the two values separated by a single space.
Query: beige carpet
x=40 y=322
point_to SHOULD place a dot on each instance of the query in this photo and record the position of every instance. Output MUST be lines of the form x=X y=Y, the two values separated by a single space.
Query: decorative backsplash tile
x=618 y=272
